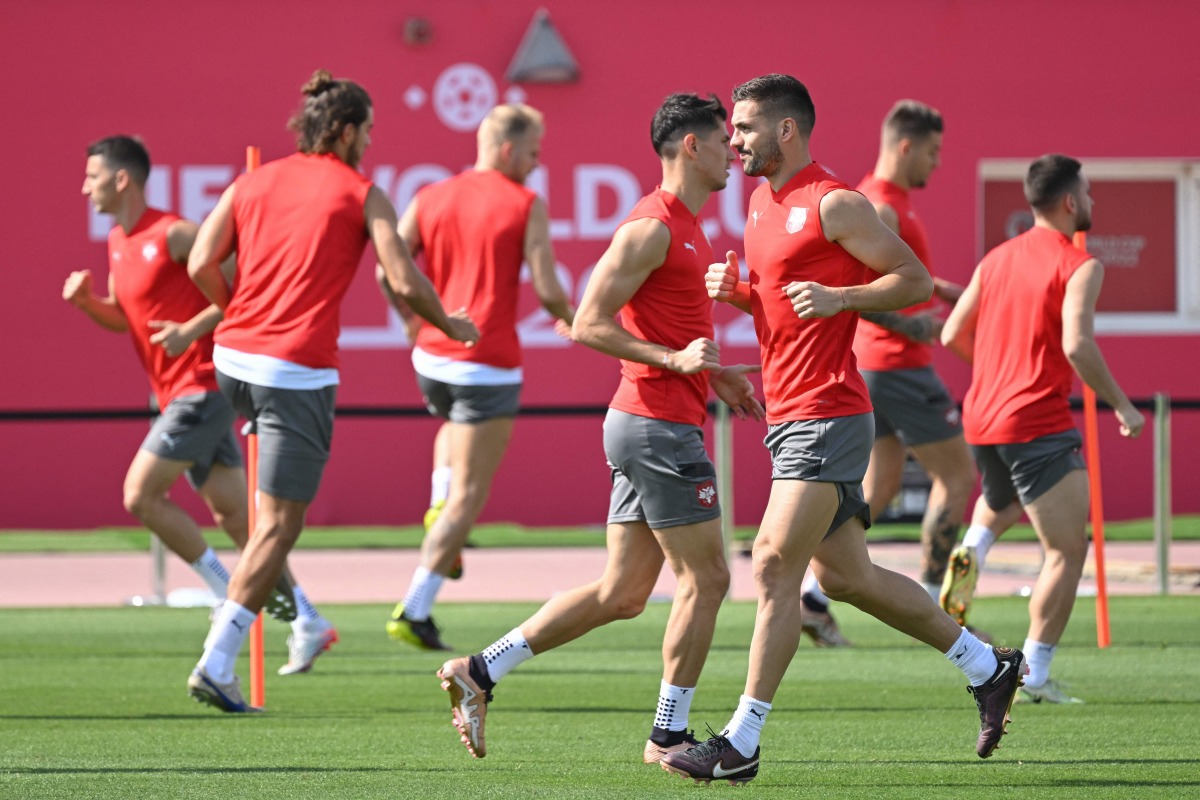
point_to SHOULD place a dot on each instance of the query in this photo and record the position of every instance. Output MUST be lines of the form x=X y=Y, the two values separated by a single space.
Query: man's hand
x=735 y=390
x=811 y=300
x=1130 y=420
x=170 y=337
x=462 y=329
x=78 y=287
x=699 y=355
x=722 y=279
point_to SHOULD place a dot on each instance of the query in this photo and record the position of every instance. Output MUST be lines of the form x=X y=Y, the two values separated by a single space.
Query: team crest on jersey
x=706 y=493
x=150 y=251
x=796 y=219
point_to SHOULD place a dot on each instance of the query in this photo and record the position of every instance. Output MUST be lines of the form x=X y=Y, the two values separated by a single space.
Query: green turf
x=491 y=535
x=92 y=705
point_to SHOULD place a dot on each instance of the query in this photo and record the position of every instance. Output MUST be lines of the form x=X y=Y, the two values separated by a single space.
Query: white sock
x=745 y=728
x=811 y=588
x=674 y=705
x=213 y=572
x=982 y=539
x=973 y=657
x=229 y=630
x=934 y=589
x=1039 y=655
x=439 y=485
x=506 y=653
x=422 y=594
x=304 y=607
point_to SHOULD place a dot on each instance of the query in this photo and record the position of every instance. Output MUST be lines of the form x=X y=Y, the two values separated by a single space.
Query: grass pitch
x=93 y=705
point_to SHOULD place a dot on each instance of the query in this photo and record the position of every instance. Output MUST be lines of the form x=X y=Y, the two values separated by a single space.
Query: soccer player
x=475 y=230
x=914 y=411
x=299 y=226
x=1026 y=324
x=664 y=505
x=810 y=242
x=170 y=323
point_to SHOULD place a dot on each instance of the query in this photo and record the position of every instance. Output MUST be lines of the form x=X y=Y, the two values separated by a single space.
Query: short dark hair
x=124 y=152
x=329 y=106
x=780 y=96
x=913 y=120
x=681 y=114
x=1049 y=178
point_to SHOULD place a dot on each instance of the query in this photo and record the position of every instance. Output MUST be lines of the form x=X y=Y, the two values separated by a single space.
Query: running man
x=475 y=230
x=810 y=242
x=148 y=294
x=914 y=411
x=299 y=226
x=664 y=506
x=1026 y=323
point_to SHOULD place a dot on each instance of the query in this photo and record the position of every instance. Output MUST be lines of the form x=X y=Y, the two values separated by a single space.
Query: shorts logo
x=952 y=417
x=796 y=219
x=706 y=493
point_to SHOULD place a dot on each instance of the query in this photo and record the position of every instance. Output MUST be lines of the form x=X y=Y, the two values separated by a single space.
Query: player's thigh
x=885 y=471
x=476 y=449
x=841 y=559
x=949 y=462
x=1059 y=515
x=152 y=475
x=696 y=551
x=634 y=560
x=797 y=518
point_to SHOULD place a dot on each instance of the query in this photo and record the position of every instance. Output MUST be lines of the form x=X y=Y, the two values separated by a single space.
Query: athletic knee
x=710 y=581
x=618 y=603
x=837 y=586
x=137 y=500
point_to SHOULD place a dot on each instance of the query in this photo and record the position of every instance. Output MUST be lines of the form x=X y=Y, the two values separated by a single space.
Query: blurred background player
x=170 y=323
x=914 y=411
x=474 y=230
x=664 y=505
x=1026 y=323
x=810 y=242
x=299 y=226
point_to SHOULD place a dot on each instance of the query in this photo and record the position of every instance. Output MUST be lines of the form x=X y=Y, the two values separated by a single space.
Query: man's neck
x=788 y=170
x=887 y=169
x=131 y=210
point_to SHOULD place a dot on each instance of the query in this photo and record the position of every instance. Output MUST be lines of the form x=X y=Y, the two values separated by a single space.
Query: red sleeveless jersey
x=1021 y=379
x=301 y=232
x=877 y=348
x=149 y=285
x=473 y=236
x=809 y=369
x=672 y=308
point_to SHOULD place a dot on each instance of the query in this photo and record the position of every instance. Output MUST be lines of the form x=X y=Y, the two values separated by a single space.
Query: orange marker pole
x=258 y=688
x=1091 y=439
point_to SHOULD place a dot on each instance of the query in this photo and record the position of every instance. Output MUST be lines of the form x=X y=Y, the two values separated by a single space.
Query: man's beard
x=765 y=161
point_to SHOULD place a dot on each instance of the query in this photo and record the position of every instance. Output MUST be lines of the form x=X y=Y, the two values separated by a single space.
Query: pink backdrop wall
x=198 y=84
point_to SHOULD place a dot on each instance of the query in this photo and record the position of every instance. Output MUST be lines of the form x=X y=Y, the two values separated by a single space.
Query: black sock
x=813 y=604
x=479 y=674
x=665 y=738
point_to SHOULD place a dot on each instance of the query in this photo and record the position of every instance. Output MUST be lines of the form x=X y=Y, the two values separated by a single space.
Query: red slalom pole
x=258 y=687
x=1091 y=439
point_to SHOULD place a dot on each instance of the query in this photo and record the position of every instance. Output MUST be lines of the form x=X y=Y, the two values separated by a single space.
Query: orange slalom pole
x=1091 y=438
x=258 y=687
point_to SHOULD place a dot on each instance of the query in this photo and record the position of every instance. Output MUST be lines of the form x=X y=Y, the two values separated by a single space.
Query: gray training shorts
x=661 y=473
x=834 y=450
x=469 y=404
x=1027 y=470
x=912 y=404
x=295 y=431
x=197 y=428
